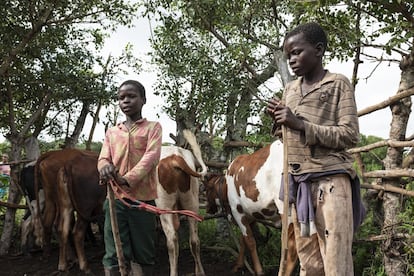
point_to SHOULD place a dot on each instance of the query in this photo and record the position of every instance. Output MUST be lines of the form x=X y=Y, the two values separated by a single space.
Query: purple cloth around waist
x=300 y=193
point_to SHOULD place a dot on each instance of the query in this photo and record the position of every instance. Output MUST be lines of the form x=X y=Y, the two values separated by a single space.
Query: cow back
x=254 y=182
x=244 y=169
x=83 y=183
x=48 y=165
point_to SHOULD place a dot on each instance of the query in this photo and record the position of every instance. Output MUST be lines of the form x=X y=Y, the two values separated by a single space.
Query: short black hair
x=312 y=31
x=140 y=88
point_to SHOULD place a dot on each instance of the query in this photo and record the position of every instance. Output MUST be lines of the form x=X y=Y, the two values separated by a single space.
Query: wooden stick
x=285 y=221
x=12 y=205
x=115 y=232
x=392 y=173
x=387 y=188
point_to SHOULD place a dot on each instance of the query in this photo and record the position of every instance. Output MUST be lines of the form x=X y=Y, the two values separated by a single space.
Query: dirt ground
x=36 y=265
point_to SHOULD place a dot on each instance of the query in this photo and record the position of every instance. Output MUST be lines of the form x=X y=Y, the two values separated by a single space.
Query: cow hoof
x=237 y=271
x=87 y=271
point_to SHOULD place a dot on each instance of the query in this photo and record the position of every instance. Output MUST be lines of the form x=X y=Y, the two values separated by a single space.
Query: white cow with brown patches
x=178 y=189
x=249 y=192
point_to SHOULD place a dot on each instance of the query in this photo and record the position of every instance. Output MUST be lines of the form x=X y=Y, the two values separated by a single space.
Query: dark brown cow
x=26 y=182
x=178 y=188
x=70 y=182
x=78 y=190
x=248 y=193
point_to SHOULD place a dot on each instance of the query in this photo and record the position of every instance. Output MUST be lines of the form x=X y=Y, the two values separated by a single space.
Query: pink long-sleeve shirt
x=135 y=153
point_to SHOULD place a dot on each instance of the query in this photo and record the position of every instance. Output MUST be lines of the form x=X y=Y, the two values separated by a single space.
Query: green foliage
x=367 y=254
x=201 y=49
x=267 y=239
x=56 y=64
x=4 y=186
x=218 y=143
x=374 y=158
x=407 y=227
x=4 y=147
x=209 y=237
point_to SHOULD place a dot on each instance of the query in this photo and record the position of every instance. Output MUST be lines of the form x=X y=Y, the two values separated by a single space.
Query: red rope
x=122 y=195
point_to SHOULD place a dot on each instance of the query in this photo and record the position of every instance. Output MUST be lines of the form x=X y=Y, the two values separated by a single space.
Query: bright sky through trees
x=382 y=84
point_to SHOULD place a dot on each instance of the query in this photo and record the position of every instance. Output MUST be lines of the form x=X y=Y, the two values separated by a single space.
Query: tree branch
x=390 y=143
x=394 y=173
x=401 y=95
x=388 y=188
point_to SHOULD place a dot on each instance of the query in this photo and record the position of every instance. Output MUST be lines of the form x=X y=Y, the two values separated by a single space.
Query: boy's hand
x=120 y=180
x=282 y=115
x=272 y=106
x=122 y=183
x=107 y=173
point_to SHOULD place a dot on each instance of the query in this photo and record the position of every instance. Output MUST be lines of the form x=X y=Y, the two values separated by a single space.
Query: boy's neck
x=130 y=121
x=314 y=78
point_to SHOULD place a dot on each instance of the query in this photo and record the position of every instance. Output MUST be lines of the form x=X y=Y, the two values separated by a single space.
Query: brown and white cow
x=178 y=189
x=249 y=193
x=70 y=182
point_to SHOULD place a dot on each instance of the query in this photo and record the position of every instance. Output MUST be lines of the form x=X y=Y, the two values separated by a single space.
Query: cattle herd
x=69 y=197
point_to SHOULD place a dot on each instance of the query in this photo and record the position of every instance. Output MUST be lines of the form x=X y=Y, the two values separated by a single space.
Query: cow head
x=216 y=192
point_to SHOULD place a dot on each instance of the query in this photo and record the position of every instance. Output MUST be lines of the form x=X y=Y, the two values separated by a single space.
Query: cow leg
x=79 y=238
x=48 y=221
x=65 y=220
x=26 y=229
x=36 y=219
x=49 y=214
x=167 y=222
x=251 y=246
x=195 y=246
x=240 y=258
x=89 y=235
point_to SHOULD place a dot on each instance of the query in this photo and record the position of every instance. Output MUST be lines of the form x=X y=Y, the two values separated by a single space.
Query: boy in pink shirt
x=130 y=154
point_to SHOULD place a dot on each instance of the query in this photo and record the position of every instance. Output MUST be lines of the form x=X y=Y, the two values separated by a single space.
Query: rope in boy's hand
x=131 y=202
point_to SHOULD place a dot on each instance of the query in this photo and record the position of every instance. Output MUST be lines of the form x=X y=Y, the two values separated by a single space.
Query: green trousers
x=137 y=233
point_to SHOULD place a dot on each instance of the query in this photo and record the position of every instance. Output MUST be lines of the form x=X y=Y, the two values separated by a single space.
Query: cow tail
x=179 y=163
x=191 y=139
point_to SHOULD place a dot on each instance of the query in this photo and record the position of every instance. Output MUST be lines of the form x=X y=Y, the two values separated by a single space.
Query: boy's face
x=302 y=56
x=130 y=101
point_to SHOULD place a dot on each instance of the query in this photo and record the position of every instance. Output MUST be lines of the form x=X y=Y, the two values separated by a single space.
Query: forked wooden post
x=115 y=232
x=285 y=221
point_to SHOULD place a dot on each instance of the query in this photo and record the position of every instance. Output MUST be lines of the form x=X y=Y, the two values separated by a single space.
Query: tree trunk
x=32 y=148
x=283 y=68
x=94 y=123
x=14 y=197
x=70 y=142
x=393 y=247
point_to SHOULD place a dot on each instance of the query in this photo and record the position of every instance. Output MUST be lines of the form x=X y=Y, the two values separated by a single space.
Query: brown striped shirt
x=331 y=125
